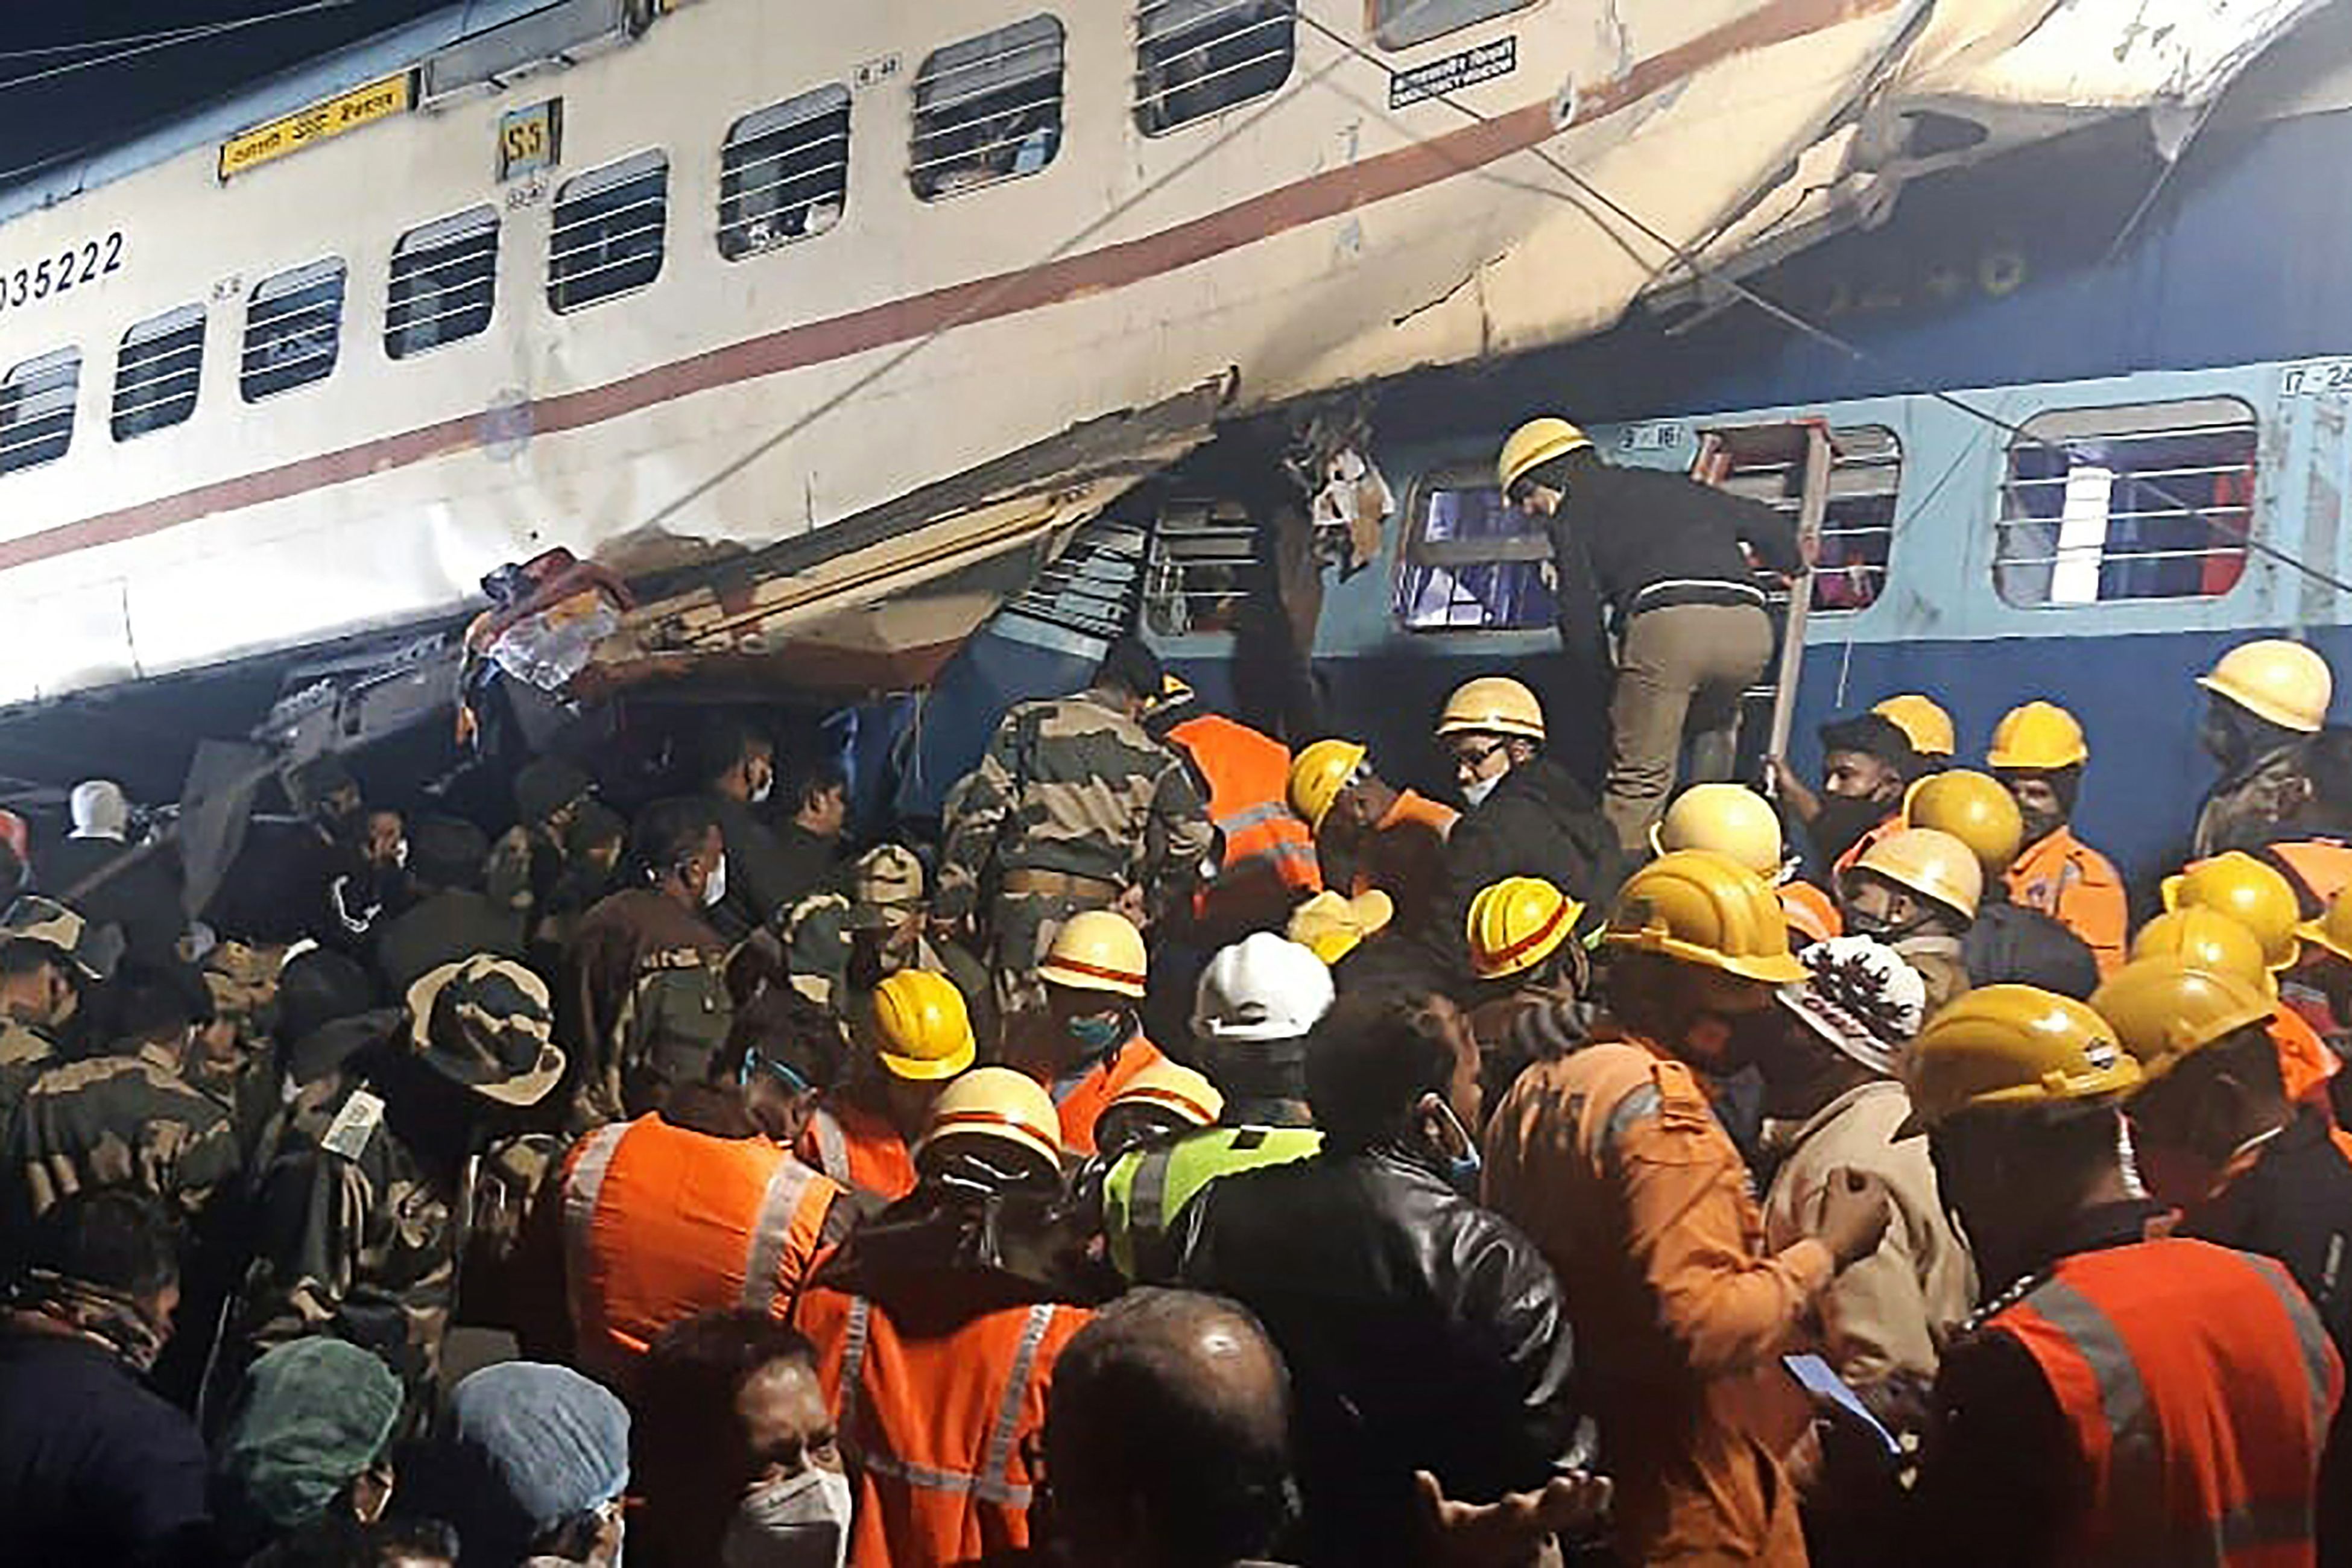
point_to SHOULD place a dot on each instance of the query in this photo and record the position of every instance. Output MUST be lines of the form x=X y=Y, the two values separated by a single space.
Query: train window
x=1766 y=463
x=606 y=238
x=293 y=330
x=1194 y=57
x=36 y=409
x=444 y=278
x=1399 y=24
x=783 y=173
x=155 y=373
x=988 y=109
x=2151 y=501
x=1205 y=565
x=1471 y=562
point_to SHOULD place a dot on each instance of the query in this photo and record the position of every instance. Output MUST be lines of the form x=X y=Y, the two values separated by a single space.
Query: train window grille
x=1194 y=59
x=987 y=110
x=156 y=373
x=445 y=280
x=1399 y=24
x=2149 y=501
x=1767 y=464
x=607 y=234
x=783 y=173
x=1205 y=567
x=293 y=330
x=36 y=409
x=1473 y=562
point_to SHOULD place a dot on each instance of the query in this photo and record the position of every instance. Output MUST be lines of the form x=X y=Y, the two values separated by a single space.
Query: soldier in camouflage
x=1073 y=807
x=530 y=858
x=368 y=1192
x=48 y=955
x=838 y=949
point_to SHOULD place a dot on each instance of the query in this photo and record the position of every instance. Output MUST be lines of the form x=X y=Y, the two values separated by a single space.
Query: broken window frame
x=38 y=398
x=626 y=250
x=939 y=148
x=1513 y=566
x=774 y=146
x=455 y=259
x=300 y=308
x=158 y=372
x=1226 y=46
x=1402 y=23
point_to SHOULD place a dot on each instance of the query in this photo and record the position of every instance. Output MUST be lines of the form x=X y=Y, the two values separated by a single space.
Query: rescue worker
x=2325 y=975
x=1073 y=807
x=691 y=1207
x=1534 y=982
x=2253 y=893
x=1610 y=1158
x=1916 y=891
x=1661 y=554
x=2312 y=843
x=2008 y=943
x=1867 y=764
x=2038 y=752
x=48 y=956
x=645 y=999
x=1736 y=822
x=934 y=1347
x=1095 y=974
x=919 y=1040
x=2265 y=701
x=530 y=858
x=2123 y=1396
x=1425 y=1332
x=1925 y=723
x=1833 y=1101
x=1370 y=836
x=1331 y=926
x=837 y=949
x=359 y=1201
x=1159 y=1105
x=1266 y=862
x=1256 y=1003
x=1527 y=816
x=738 y=778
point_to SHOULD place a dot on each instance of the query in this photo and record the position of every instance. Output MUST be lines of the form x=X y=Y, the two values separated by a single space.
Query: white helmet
x=1861 y=999
x=1263 y=987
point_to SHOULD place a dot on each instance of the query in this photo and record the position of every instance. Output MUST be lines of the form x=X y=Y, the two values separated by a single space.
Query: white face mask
x=763 y=789
x=1474 y=793
x=400 y=856
x=801 y=1521
x=716 y=888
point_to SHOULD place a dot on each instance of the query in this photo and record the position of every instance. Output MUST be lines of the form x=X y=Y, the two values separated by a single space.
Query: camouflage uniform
x=24 y=1054
x=820 y=931
x=2242 y=810
x=118 y=1119
x=1070 y=788
x=646 y=1004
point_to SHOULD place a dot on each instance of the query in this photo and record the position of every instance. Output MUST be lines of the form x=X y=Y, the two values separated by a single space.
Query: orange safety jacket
x=2199 y=1385
x=858 y=1148
x=1861 y=847
x=2076 y=886
x=1810 y=914
x=1081 y=1101
x=1404 y=856
x=1269 y=854
x=939 y=1429
x=661 y=1222
x=2319 y=867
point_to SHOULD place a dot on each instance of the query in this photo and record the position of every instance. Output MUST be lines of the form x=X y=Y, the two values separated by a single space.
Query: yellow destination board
x=319 y=123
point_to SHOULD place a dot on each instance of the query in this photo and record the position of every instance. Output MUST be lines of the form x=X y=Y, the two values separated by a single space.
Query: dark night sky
x=66 y=113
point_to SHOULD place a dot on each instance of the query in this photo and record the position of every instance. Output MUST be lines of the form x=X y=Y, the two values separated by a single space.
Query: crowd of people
x=1201 y=1153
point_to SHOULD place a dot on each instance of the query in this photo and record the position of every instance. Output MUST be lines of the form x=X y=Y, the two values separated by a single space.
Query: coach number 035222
x=29 y=283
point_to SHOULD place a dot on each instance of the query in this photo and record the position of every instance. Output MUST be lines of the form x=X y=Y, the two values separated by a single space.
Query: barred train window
x=2150 y=501
x=156 y=371
x=1768 y=464
x=1204 y=566
x=293 y=330
x=1473 y=562
x=606 y=238
x=783 y=173
x=1195 y=58
x=1400 y=23
x=445 y=280
x=987 y=110
x=36 y=409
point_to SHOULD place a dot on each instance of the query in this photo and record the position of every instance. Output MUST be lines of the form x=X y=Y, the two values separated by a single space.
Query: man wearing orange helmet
x=1096 y=976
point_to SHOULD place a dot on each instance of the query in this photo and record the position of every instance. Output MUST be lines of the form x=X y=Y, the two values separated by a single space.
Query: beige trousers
x=1682 y=671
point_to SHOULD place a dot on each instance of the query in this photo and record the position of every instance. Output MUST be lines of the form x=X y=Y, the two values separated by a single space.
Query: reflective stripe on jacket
x=2199 y=1385
x=938 y=1429
x=661 y=1222
x=2076 y=886
x=1147 y=1188
x=1269 y=854
x=859 y=1149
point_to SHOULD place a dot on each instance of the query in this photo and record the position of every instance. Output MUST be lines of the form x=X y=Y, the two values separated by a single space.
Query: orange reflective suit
x=1404 y=856
x=859 y=1148
x=1082 y=1100
x=661 y=1222
x=2076 y=886
x=1811 y=913
x=1269 y=855
x=2319 y=867
x=1610 y=1159
x=1861 y=847
x=939 y=1426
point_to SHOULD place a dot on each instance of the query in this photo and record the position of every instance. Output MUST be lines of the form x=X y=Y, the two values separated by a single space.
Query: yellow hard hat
x=1097 y=950
x=1516 y=923
x=1171 y=1086
x=2257 y=896
x=1533 y=445
x=1492 y=705
x=922 y=1030
x=2037 y=737
x=1973 y=808
x=2332 y=932
x=2282 y=681
x=998 y=1104
x=1729 y=819
x=1922 y=718
x=2012 y=1048
x=2162 y=1010
x=2206 y=939
x=1318 y=773
x=1331 y=926
x=1931 y=864
x=1174 y=691
x=1704 y=910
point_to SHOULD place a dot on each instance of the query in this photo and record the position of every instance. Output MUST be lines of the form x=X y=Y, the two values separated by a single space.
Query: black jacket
x=2010 y=945
x=1539 y=822
x=1422 y=1332
x=445 y=927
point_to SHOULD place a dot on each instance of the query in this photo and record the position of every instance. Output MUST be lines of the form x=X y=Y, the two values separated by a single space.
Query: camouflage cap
x=484 y=1023
x=888 y=888
x=92 y=949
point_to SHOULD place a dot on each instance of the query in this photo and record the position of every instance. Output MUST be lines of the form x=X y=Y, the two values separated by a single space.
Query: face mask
x=763 y=789
x=1461 y=1170
x=1476 y=793
x=715 y=888
x=799 y=1523
x=400 y=856
x=1094 y=1036
x=1842 y=822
